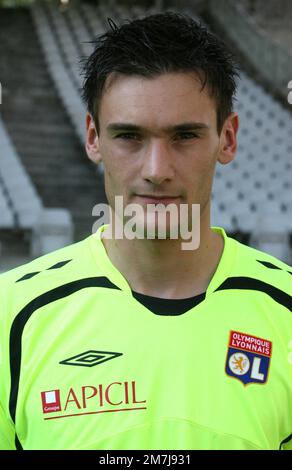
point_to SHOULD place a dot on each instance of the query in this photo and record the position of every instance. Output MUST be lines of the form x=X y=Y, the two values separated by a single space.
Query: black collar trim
x=172 y=307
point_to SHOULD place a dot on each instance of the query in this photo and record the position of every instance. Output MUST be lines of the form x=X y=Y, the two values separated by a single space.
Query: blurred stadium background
x=48 y=186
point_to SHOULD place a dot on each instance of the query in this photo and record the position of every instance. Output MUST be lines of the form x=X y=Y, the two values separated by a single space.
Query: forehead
x=163 y=100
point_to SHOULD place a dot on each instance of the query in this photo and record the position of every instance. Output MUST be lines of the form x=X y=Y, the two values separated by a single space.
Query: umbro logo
x=90 y=358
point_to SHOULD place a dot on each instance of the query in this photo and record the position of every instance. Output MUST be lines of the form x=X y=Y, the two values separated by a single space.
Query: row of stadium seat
x=20 y=202
x=59 y=69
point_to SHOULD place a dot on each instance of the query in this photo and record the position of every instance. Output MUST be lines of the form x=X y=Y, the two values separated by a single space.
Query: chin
x=152 y=227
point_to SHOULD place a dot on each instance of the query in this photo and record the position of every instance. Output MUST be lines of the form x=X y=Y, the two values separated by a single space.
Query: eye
x=186 y=135
x=128 y=136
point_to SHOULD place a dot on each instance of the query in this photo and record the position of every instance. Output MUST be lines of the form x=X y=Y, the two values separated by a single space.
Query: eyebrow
x=185 y=126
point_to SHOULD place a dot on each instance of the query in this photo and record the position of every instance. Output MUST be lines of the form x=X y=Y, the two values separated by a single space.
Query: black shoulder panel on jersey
x=23 y=316
x=269 y=265
x=28 y=276
x=249 y=283
x=58 y=265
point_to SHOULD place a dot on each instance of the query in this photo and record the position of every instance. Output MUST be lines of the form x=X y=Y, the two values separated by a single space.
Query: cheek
x=117 y=174
x=121 y=165
x=201 y=164
x=199 y=175
x=115 y=159
x=111 y=174
x=113 y=171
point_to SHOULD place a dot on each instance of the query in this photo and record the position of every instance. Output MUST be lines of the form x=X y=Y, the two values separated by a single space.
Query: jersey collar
x=103 y=260
x=226 y=262
x=109 y=270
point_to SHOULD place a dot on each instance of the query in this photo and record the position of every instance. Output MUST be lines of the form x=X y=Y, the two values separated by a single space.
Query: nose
x=157 y=163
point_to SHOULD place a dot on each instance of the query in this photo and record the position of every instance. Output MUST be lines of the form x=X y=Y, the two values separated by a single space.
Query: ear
x=92 y=140
x=228 y=139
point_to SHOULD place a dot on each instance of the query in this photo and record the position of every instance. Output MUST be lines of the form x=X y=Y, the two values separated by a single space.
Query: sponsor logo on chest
x=92 y=399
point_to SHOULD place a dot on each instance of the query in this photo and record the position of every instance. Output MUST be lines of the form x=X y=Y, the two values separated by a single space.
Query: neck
x=161 y=268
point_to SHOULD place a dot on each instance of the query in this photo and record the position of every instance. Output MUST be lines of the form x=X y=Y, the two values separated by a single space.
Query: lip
x=149 y=199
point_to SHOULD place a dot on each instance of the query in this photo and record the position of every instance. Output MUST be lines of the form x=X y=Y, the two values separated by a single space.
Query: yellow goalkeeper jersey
x=86 y=363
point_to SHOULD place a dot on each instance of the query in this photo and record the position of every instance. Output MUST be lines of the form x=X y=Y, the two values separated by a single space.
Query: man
x=121 y=342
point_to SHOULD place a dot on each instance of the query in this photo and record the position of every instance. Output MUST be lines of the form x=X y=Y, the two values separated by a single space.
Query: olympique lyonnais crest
x=248 y=358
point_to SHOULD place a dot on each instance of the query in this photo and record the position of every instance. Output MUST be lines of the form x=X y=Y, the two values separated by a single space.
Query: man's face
x=158 y=140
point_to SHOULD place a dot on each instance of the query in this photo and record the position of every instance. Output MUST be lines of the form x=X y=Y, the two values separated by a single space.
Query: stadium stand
x=39 y=128
x=257 y=184
x=260 y=30
x=272 y=17
x=90 y=18
x=22 y=199
x=22 y=209
x=61 y=57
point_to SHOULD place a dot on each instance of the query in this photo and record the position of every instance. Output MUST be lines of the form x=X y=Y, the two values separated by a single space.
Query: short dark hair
x=159 y=44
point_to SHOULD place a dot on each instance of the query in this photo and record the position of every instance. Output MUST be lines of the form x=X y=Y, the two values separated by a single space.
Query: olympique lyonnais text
x=250 y=343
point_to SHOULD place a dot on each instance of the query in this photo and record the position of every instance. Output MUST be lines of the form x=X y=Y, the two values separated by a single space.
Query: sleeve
x=7 y=433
